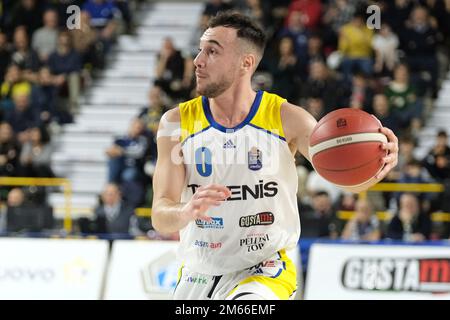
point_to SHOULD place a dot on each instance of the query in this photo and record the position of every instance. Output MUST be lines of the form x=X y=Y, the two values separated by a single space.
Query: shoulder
x=296 y=121
x=172 y=115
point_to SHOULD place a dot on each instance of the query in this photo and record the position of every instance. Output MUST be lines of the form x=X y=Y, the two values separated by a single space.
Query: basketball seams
x=346 y=140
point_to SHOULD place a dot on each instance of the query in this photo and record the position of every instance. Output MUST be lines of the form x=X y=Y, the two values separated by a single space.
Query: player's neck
x=232 y=107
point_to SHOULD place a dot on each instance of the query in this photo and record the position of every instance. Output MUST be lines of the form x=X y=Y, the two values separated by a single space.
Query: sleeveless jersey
x=254 y=161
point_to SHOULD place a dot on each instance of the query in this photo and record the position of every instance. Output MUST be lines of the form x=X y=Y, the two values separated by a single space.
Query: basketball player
x=225 y=175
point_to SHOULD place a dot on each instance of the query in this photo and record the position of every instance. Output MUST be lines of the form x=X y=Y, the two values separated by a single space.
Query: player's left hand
x=391 y=159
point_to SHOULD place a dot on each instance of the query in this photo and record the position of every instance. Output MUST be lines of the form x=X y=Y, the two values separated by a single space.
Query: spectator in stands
x=314 y=105
x=16 y=198
x=126 y=161
x=381 y=110
x=103 y=18
x=171 y=72
x=415 y=173
x=409 y=224
x=113 y=215
x=12 y=85
x=284 y=69
x=36 y=154
x=403 y=99
x=212 y=7
x=437 y=162
x=320 y=220
x=27 y=14
x=9 y=151
x=406 y=154
x=419 y=42
x=295 y=29
x=337 y=14
x=23 y=116
x=65 y=63
x=310 y=10
x=44 y=95
x=314 y=53
x=361 y=93
x=321 y=83
x=86 y=42
x=5 y=55
x=364 y=225
x=355 y=46
x=385 y=44
x=316 y=184
x=156 y=107
x=45 y=38
x=256 y=9
x=25 y=57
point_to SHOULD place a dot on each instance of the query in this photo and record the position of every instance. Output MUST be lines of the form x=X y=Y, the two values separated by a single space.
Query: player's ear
x=248 y=62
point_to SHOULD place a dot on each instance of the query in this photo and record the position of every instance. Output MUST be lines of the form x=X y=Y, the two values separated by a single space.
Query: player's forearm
x=167 y=216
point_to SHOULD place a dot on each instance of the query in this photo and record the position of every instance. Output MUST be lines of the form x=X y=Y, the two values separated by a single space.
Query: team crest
x=254 y=159
x=341 y=122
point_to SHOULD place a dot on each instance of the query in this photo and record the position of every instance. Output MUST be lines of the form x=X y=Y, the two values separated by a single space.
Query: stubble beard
x=212 y=90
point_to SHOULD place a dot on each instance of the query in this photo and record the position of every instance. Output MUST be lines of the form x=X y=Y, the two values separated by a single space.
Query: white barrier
x=51 y=268
x=378 y=272
x=141 y=270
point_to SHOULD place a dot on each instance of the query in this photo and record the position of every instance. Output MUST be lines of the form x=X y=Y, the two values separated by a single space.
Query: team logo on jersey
x=229 y=145
x=254 y=159
x=259 y=219
x=428 y=274
x=216 y=223
x=206 y=244
x=254 y=242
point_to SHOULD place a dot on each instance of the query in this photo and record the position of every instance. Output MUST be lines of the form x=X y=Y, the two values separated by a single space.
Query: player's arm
x=168 y=213
x=298 y=125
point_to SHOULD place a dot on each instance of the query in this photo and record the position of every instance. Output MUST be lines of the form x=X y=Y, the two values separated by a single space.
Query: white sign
x=142 y=270
x=56 y=269
x=378 y=272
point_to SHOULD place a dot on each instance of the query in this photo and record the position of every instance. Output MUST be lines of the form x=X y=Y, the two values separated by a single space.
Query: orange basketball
x=345 y=147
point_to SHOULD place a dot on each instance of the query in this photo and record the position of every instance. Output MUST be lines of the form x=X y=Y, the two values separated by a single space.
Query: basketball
x=345 y=147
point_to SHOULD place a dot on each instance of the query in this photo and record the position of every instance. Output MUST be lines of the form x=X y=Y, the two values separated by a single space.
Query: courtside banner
x=344 y=271
x=142 y=269
x=55 y=269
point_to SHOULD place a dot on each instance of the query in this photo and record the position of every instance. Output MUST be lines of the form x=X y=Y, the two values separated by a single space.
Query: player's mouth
x=200 y=75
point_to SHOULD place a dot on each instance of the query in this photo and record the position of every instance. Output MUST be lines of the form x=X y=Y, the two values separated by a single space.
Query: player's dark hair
x=246 y=28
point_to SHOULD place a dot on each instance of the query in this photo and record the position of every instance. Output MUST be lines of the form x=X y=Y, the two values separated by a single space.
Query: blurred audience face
x=50 y=19
x=15 y=197
x=419 y=17
x=168 y=45
x=155 y=96
x=295 y=20
x=111 y=195
x=64 y=40
x=3 y=39
x=136 y=128
x=406 y=147
x=286 y=46
x=381 y=105
x=28 y=4
x=318 y=70
x=21 y=101
x=441 y=140
x=321 y=203
x=363 y=211
x=315 y=107
x=6 y=132
x=314 y=45
x=45 y=77
x=21 y=38
x=35 y=135
x=409 y=206
x=401 y=74
x=13 y=74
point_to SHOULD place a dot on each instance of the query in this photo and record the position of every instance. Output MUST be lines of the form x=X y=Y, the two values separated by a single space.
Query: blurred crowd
x=320 y=55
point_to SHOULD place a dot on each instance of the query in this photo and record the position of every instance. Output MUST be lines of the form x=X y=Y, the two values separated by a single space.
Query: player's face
x=217 y=61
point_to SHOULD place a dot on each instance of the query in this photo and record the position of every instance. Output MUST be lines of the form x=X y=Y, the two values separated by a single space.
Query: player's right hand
x=203 y=198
